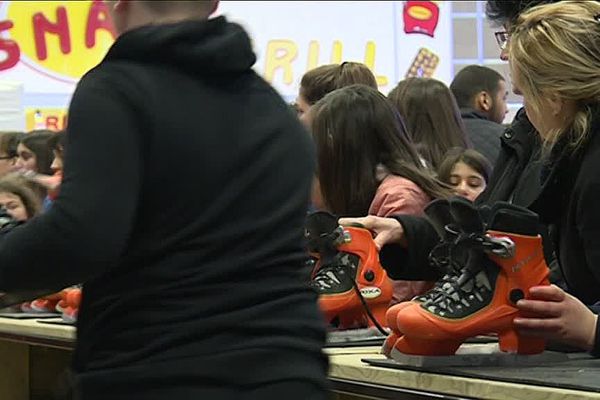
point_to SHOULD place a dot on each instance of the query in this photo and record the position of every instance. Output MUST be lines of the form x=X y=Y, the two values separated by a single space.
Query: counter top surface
x=347 y=365
x=32 y=328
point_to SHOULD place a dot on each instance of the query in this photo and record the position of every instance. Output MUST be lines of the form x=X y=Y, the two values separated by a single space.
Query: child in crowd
x=33 y=152
x=19 y=201
x=8 y=151
x=466 y=170
x=21 y=204
x=34 y=160
x=367 y=164
x=55 y=143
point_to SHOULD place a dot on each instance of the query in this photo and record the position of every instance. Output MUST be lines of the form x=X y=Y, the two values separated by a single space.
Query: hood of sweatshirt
x=206 y=47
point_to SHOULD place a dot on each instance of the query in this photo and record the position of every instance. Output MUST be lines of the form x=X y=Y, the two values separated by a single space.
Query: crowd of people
x=31 y=165
x=194 y=264
x=546 y=163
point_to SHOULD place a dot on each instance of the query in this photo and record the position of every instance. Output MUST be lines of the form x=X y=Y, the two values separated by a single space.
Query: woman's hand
x=386 y=230
x=553 y=314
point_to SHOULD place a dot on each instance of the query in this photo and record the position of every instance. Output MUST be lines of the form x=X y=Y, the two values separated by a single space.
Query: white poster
x=49 y=45
x=291 y=37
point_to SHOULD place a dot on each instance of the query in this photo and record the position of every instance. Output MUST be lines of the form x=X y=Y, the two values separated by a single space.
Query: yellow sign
x=46 y=118
x=63 y=39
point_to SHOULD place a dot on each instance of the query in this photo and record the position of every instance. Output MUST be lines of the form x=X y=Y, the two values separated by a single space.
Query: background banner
x=49 y=45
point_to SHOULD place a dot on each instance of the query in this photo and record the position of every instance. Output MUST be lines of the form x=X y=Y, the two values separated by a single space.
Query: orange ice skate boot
x=46 y=304
x=504 y=261
x=354 y=290
x=68 y=306
x=446 y=257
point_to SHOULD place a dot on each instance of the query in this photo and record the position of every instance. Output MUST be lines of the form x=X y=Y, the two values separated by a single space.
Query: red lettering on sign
x=41 y=26
x=52 y=123
x=9 y=47
x=98 y=18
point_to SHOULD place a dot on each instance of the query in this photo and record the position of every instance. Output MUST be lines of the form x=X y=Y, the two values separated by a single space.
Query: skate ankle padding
x=515 y=220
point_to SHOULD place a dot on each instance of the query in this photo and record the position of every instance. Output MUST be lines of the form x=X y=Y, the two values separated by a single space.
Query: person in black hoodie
x=182 y=210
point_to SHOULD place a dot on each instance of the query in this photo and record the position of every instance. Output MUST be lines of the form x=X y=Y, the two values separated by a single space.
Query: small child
x=466 y=170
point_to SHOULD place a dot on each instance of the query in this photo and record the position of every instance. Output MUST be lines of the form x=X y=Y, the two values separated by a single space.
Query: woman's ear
x=556 y=103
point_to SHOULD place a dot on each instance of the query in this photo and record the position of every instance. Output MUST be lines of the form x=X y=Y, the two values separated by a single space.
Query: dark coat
x=483 y=133
x=568 y=201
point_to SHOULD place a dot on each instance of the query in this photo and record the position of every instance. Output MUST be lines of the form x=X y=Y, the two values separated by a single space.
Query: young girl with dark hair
x=41 y=162
x=466 y=170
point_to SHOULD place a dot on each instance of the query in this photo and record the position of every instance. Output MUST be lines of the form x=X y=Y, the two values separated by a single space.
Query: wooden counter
x=36 y=332
x=34 y=359
x=357 y=380
x=34 y=356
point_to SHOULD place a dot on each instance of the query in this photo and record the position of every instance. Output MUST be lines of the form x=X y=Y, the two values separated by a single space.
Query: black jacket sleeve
x=411 y=263
x=87 y=228
x=589 y=226
x=596 y=350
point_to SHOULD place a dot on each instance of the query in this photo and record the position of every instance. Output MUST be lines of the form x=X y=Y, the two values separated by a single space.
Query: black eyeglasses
x=502 y=38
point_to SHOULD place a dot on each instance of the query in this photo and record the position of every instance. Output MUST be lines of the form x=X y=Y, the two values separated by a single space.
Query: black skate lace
x=461 y=292
x=333 y=274
x=442 y=260
x=472 y=284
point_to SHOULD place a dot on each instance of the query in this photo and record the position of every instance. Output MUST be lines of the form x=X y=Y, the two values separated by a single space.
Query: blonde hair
x=555 y=50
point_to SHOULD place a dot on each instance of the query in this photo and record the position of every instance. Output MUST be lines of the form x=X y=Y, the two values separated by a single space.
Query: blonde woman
x=554 y=54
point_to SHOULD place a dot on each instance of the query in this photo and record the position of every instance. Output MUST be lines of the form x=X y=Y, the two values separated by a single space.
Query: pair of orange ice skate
x=65 y=302
x=489 y=258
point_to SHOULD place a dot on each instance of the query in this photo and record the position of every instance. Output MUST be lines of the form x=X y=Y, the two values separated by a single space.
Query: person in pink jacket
x=367 y=163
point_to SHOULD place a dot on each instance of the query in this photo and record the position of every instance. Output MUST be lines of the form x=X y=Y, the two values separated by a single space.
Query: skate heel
x=388 y=344
x=512 y=342
x=391 y=315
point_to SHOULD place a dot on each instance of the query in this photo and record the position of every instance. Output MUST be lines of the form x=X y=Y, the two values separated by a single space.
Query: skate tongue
x=320 y=223
x=465 y=215
x=438 y=213
x=323 y=234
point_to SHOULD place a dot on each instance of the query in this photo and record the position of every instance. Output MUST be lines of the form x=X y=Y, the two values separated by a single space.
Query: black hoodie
x=185 y=188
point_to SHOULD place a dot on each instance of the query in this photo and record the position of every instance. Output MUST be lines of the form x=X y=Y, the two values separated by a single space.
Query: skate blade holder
x=478 y=354
x=359 y=336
